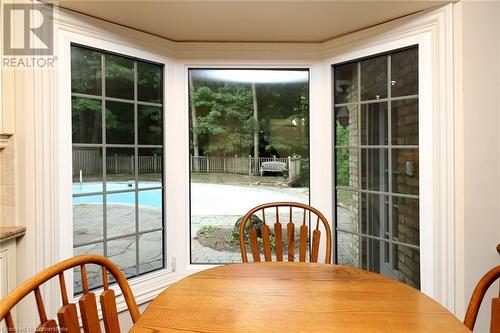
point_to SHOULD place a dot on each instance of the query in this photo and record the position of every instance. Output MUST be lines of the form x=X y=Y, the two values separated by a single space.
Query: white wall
x=477 y=158
x=477 y=96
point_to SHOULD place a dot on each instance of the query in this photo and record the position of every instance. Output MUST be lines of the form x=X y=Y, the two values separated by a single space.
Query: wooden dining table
x=293 y=297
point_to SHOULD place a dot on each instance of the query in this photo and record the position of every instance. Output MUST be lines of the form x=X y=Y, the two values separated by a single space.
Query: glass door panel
x=377 y=175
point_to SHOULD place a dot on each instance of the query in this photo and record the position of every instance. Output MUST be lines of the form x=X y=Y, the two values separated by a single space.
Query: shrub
x=206 y=229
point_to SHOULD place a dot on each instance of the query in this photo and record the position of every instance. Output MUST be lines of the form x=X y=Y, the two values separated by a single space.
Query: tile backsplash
x=7 y=184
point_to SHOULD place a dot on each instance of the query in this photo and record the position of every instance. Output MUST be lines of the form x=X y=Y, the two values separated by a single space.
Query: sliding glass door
x=377 y=164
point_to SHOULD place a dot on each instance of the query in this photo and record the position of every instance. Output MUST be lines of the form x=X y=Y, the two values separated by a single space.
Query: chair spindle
x=303 y=239
x=9 y=322
x=88 y=310
x=315 y=243
x=105 y=284
x=68 y=318
x=266 y=242
x=109 y=313
x=307 y=240
x=62 y=286
x=48 y=326
x=254 y=245
x=85 y=285
x=39 y=304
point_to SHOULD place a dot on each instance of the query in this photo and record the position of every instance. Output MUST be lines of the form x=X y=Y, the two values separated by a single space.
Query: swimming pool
x=147 y=198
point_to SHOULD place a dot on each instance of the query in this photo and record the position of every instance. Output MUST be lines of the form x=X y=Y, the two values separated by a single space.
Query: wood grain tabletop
x=293 y=297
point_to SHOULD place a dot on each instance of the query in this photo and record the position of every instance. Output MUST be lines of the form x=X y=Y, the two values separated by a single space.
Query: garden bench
x=274 y=167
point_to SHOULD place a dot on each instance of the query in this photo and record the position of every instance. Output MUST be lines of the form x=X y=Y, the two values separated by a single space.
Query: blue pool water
x=149 y=198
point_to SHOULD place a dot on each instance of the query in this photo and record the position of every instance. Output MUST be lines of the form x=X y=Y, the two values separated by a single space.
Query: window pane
x=87 y=170
x=370 y=254
x=108 y=205
x=123 y=253
x=150 y=251
x=149 y=82
x=346 y=125
x=150 y=210
x=348 y=249
x=374 y=124
x=119 y=77
x=404 y=72
x=87 y=219
x=374 y=215
x=149 y=125
x=249 y=144
x=346 y=83
x=374 y=164
x=150 y=167
x=85 y=71
x=120 y=169
x=94 y=273
x=119 y=123
x=348 y=210
x=405 y=122
x=405 y=171
x=87 y=120
x=120 y=214
x=374 y=78
x=405 y=219
x=347 y=167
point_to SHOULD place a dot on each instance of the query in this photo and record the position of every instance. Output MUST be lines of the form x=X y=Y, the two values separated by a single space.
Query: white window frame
x=432 y=34
x=51 y=139
x=145 y=284
x=426 y=139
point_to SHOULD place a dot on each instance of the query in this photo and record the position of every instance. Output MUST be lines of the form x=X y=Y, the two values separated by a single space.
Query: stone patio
x=88 y=226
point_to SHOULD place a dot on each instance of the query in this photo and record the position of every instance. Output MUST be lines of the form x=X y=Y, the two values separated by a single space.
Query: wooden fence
x=243 y=165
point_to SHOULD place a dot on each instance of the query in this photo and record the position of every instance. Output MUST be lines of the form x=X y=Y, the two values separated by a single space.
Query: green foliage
x=304 y=173
x=234 y=236
x=206 y=229
x=225 y=121
x=225 y=115
x=342 y=154
x=235 y=233
x=277 y=143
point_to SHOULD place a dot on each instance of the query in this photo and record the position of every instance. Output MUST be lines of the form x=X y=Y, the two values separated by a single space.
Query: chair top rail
x=34 y=282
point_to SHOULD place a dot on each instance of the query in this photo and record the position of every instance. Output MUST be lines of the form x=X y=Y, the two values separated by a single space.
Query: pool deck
x=212 y=204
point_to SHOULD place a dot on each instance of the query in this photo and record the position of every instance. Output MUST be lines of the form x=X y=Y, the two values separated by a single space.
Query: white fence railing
x=90 y=163
x=243 y=165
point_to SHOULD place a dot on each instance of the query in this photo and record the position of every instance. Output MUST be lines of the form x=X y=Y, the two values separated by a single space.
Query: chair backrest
x=266 y=236
x=477 y=297
x=68 y=314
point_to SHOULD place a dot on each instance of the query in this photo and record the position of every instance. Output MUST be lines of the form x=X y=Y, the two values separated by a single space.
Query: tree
x=256 y=119
x=225 y=118
x=342 y=154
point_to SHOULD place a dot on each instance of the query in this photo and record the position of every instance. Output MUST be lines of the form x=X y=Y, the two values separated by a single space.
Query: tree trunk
x=194 y=124
x=256 y=128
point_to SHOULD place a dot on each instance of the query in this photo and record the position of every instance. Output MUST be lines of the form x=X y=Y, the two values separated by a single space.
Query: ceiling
x=248 y=21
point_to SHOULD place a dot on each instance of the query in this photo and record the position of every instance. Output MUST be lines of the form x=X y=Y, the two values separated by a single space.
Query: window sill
x=146 y=288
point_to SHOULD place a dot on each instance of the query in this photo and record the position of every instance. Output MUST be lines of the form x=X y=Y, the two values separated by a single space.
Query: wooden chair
x=477 y=297
x=278 y=234
x=67 y=314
